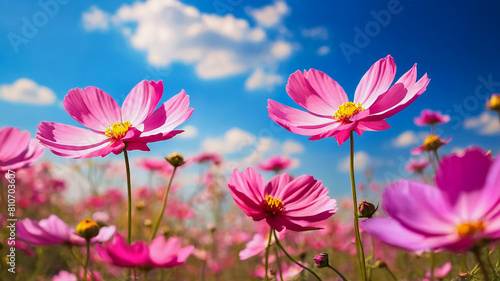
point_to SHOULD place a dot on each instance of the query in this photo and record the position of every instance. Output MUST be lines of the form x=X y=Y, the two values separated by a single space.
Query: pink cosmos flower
x=258 y=245
x=439 y=272
x=329 y=112
x=283 y=202
x=417 y=166
x=215 y=158
x=54 y=231
x=136 y=123
x=17 y=149
x=289 y=272
x=429 y=117
x=64 y=276
x=463 y=209
x=275 y=163
x=155 y=165
x=160 y=253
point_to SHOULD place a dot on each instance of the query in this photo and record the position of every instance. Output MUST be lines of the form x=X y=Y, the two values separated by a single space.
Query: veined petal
x=92 y=107
x=142 y=101
x=250 y=183
x=12 y=139
x=31 y=153
x=375 y=82
x=389 y=99
x=316 y=92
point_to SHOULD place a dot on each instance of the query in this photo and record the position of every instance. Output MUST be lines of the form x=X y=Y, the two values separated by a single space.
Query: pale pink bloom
x=160 y=253
x=54 y=231
x=439 y=272
x=283 y=202
x=429 y=117
x=258 y=245
x=180 y=210
x=206 y=157
x=17 y=149
x=464 y=207
x=64 y=276
x=275 y=163
x=417 y=166
x=328 y=110
x=155 y=165
x=289 y=272
x=135 y=124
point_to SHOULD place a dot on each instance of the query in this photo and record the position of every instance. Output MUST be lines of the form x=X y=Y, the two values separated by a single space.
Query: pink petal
x=74 y=142
x=375 y=81
x=142 y=101
x=11 y=139
x=33 y=151
x=388 y=100
x=92 y=107
x=316 y=92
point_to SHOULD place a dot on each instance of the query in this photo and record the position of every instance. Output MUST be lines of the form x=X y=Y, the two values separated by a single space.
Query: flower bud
x=175 y=159
x=380 y=264
x=139 y=205
x=321 y=260
x=148 y=222
x=366 y=209
x=494 y=102
x=87 y=229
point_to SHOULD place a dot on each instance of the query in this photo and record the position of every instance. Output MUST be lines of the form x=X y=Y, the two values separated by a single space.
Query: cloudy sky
x=231 y=56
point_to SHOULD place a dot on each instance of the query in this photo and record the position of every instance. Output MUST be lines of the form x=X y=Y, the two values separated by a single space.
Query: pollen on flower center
x=470 y=228
x=347 y=110
x=273 y=205
x=117 y=130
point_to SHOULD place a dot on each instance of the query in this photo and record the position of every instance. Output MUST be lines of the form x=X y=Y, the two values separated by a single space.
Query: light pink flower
x=258 y=245
x=289 y=272
x=204 y=157
x=328 y=110
x=54 y=231
x=283 y=202
x=136 y=123
x=275 y=163
x=155 y=165
x=417 y=166
x=463 y=209
x=17 y=149
x=439 y=272
x=429 y=117
x=160 y=253
x=64 y=276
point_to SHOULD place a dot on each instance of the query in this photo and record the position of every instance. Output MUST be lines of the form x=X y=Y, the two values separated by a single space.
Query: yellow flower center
x=273 y=205
x=494 y=102
x=470 y=228
x=117 y=130
x=87 y=228
x=347 y=110
x=432 y=142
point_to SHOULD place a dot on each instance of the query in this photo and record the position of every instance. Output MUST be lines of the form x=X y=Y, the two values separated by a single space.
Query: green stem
x=129 y=195
x=290 y=257
x=432 y=162
x=278 y=261
x=437 y=156
x=87 y=260
x=338 y=272
x=163 y=206
x=391 y=274
x=477 y=254
x=433 y=265
x=359 y=245
x=432 y=129
x=266 y=263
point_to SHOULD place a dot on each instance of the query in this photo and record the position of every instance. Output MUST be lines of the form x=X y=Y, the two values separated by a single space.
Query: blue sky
x=231 y=56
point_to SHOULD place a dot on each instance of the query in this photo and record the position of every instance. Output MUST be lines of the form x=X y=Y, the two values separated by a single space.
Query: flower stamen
x=117 y=130
x=273 y=205
x=347 y=110
x=470 y=228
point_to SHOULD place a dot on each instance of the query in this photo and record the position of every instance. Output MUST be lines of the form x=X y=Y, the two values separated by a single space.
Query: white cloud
x=95 y=19
x=407 y=138
x=318 y=33
x=323 y=50
x=234 y=140
x=484 y=124
x=27 y=91
x=361 y=161
x=291 y=147
x=261 y=80
x=189 y=132
x=270 y=15
x=216 y=46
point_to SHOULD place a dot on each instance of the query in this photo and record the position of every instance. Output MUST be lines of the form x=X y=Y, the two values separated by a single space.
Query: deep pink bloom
x=463 y=209
x=417 y=166
x=275 y=163
x=215 y=158
x=329 y=112
x=155 y=165
x=283 y=202
x=17 y=149
x=429 y=117
x=54 y=231
x=136 y=123
x=160 y=253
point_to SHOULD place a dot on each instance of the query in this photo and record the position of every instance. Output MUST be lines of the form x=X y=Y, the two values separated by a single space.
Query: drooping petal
x=375 y=81
x=92 y=107
x=33 y=151
x=142 y=101
x=316 y=92
x=74 y=142
x=12 y=139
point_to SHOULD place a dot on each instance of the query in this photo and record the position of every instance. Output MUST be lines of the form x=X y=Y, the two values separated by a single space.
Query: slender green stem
x=391 y=274
x=266 y=263
x=432 y=129
x=433 y=163
x=129 y=195
x=359 y=245
x=372 y=255
x=87 y=260
x=477 y=254
x=433 y=265
x=163 y=206
x=437 y=156
x=338 y=272
x=278 y=261
x=290 y=257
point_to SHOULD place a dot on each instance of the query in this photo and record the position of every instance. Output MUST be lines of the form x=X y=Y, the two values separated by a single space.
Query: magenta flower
x=17 y=149
x=429 y=117
x=283 y=202
x=136 y=123
x=54 y=231
x=463 y=209
x=275 y=163
x=329 y=112
x=160 y=253
x=417 y=166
